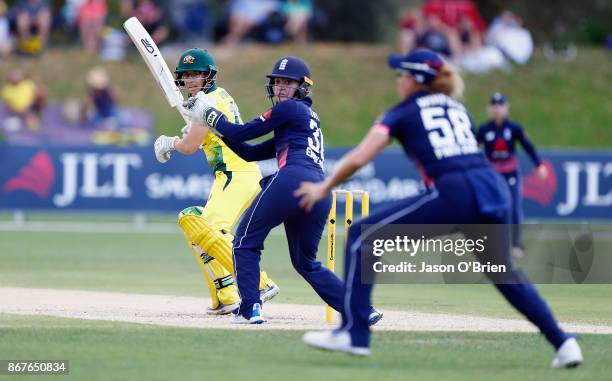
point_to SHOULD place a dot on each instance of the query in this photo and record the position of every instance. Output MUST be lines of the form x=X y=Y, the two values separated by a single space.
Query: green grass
x=560 y=104
x=105 y=350
x=162 y=264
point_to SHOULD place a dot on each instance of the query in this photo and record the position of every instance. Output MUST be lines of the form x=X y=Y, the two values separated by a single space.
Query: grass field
x=560 y=104
x=102 y=351
x=161 y=264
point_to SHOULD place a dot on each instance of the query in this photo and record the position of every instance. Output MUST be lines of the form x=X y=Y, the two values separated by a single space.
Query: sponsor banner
x=579 y=184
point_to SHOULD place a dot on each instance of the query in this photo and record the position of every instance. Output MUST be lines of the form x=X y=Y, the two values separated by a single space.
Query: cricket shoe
x=256 y=317
x=223 y=309
x=336 y=341
x=374 y=317
x=269 y=293
x=568 y=355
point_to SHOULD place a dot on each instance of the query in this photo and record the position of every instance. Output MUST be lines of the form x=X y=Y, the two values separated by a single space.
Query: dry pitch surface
x=183 y=311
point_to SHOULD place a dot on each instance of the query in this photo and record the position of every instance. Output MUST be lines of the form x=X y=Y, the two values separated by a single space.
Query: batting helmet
x=294 y=68
x=197 y=60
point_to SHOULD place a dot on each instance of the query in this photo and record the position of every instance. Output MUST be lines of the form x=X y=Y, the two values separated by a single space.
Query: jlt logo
x=594 y=196
x=87 y=165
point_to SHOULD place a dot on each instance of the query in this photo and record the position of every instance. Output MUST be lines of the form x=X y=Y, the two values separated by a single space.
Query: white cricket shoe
x=337 y=341
x=269 y=293
x=223 y=309
x=569 y=355
x=256 y=317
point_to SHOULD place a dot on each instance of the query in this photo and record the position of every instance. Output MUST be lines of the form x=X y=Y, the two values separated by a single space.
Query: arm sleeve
x=388 y=121
x=255 y=152
x=260 y=126
x=527 y=145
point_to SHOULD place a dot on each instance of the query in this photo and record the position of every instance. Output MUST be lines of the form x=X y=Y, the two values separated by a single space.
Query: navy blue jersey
x=436 y=132
x=500 y=144
x=298 y=139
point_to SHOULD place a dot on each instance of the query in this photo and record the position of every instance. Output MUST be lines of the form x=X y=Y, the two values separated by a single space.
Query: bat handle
x=181 y=110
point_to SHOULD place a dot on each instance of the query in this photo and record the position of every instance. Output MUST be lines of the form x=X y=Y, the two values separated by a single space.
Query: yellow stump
x=331 y=229
x=331 y=249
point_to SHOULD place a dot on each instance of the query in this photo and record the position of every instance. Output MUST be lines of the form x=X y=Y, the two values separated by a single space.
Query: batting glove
x=164 y=145
x=200 y=110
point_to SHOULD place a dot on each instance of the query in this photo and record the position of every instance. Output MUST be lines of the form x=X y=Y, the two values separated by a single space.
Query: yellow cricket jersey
x=218 y=155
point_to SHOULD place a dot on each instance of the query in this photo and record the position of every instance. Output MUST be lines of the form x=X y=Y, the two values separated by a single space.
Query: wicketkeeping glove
x=164 y=145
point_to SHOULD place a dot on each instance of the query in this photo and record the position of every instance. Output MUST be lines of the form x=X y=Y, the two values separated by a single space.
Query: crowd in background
x=455 y=29
x=26 y=25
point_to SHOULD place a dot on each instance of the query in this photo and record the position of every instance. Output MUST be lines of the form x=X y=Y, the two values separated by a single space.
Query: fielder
x=499 y=136
x=299 y=149
x=436 y=131
x=208 y=230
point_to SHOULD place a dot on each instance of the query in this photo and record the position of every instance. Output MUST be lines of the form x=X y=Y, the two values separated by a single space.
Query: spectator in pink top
x=91 y=20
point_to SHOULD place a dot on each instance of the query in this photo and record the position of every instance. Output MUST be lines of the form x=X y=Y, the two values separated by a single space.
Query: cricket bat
x=155 y=62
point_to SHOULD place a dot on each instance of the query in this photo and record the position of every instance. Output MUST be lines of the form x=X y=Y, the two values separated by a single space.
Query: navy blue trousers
x=458 y=200
x=515 y=185
x=274 y=205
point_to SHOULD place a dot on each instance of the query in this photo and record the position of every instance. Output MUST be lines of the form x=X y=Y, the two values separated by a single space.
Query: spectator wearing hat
x=101 y=107
x=499 y=136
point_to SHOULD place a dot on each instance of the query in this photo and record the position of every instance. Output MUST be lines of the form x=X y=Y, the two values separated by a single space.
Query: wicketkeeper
x=208 y=229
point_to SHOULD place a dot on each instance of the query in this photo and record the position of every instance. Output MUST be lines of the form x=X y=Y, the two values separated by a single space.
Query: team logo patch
x=283 y=64
x=189 y=59
x=507 y=134
x=210 y=119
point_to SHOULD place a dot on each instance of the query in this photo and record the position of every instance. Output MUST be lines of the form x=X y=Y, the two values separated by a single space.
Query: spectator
x=68 y=17
x=150 y=14
x=429 y=33
x=6 y=43
x=298 y=14
x=411 y=26
x=506 y=32
x=452 y=12
x=245 y=15
x=438 y=37
x=470 y=37
x=33 y=25
x=192 y=20
x=101 y=107
x=24 y=98
x=91 y=20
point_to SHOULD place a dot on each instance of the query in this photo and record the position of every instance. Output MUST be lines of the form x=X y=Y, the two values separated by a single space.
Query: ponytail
x=448 y=81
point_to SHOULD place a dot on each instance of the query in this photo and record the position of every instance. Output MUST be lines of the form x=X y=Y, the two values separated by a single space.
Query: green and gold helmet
x=197 y=60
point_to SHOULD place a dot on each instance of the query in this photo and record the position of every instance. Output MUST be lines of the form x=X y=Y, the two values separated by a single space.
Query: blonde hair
x=448 y=81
